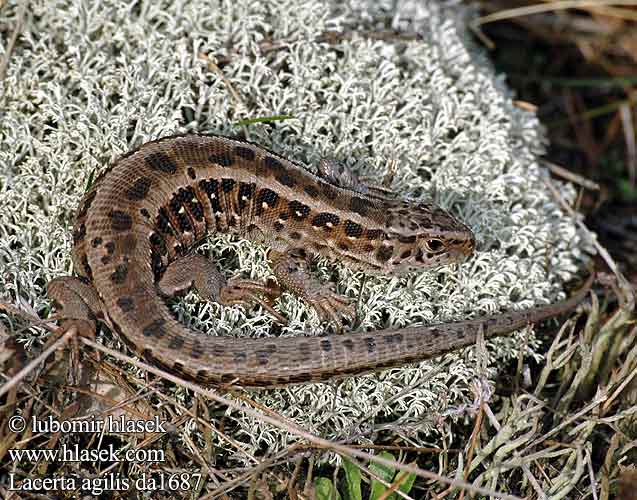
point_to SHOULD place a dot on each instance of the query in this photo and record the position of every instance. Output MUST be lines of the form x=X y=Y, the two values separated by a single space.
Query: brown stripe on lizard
x=138 y=224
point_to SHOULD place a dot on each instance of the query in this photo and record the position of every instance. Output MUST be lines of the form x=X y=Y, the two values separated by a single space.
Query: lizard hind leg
x=341 y=175
x=199 y=272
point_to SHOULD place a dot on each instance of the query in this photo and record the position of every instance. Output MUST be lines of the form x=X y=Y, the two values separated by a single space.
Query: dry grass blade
x=629 y=136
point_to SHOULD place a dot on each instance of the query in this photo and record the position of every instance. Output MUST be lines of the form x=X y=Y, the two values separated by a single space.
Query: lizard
x=139 y=223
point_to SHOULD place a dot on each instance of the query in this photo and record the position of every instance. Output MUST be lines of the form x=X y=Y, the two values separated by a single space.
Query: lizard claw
x=243 y=291
x=330 y=306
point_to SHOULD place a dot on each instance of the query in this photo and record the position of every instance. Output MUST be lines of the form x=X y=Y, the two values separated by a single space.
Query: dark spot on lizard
x=326 y=345
x=278 y=226
x=352 y=229
x=145 y=213
x=268 y=197
x=405 y=254
x=326 y=219
x=156 y=264
x=246 y=192
x=311 y=191
x=227 y=185
x=176 y=342
x=371 y=344
x=419 y=255
x=183 y=221
x=240 y=357
x=273 y=164
x=163 y=222
x=295 y=235
x=119 y=275
x=161 y=162
x=191 y=173
x=224 y=159
x=155 y=329
x=125 y=304
x=305 y=352
x=194 y=205
x=359 y=205
x=209 y=186
x=343 y=246
x=298 y=210
x=120 y=221
x=263 y=357
x=407 y=239
x=286 y=179
x=374 y=234
x=197 y=350
x=384 y=253
x=245 y=153
x=110 y=247
x=348 y=344
x=395 y=338
x=139 y=190
x=159 y=243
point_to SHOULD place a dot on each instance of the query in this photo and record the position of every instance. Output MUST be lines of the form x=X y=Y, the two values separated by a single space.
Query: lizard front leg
x=76 y=303
x=291 y=270
x=199 y=272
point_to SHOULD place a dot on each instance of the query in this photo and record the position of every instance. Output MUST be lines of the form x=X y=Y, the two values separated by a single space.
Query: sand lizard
x=138 y=223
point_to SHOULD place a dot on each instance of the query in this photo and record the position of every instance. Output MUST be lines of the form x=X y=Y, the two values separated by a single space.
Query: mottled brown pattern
x=154 y=204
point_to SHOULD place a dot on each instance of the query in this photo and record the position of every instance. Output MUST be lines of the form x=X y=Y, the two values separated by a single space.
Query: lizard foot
x=330 y=306
x=244 y=291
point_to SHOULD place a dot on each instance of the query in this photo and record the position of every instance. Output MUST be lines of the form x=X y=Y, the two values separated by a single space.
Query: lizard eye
x=434 y=246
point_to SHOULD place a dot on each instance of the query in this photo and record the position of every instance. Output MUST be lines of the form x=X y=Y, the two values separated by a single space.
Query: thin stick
x=14 y=36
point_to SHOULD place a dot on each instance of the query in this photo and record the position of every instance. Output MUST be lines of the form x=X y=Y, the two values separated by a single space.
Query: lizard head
x=420 y=236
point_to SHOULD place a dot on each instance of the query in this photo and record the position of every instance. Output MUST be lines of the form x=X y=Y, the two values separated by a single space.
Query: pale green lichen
x=85 y=85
